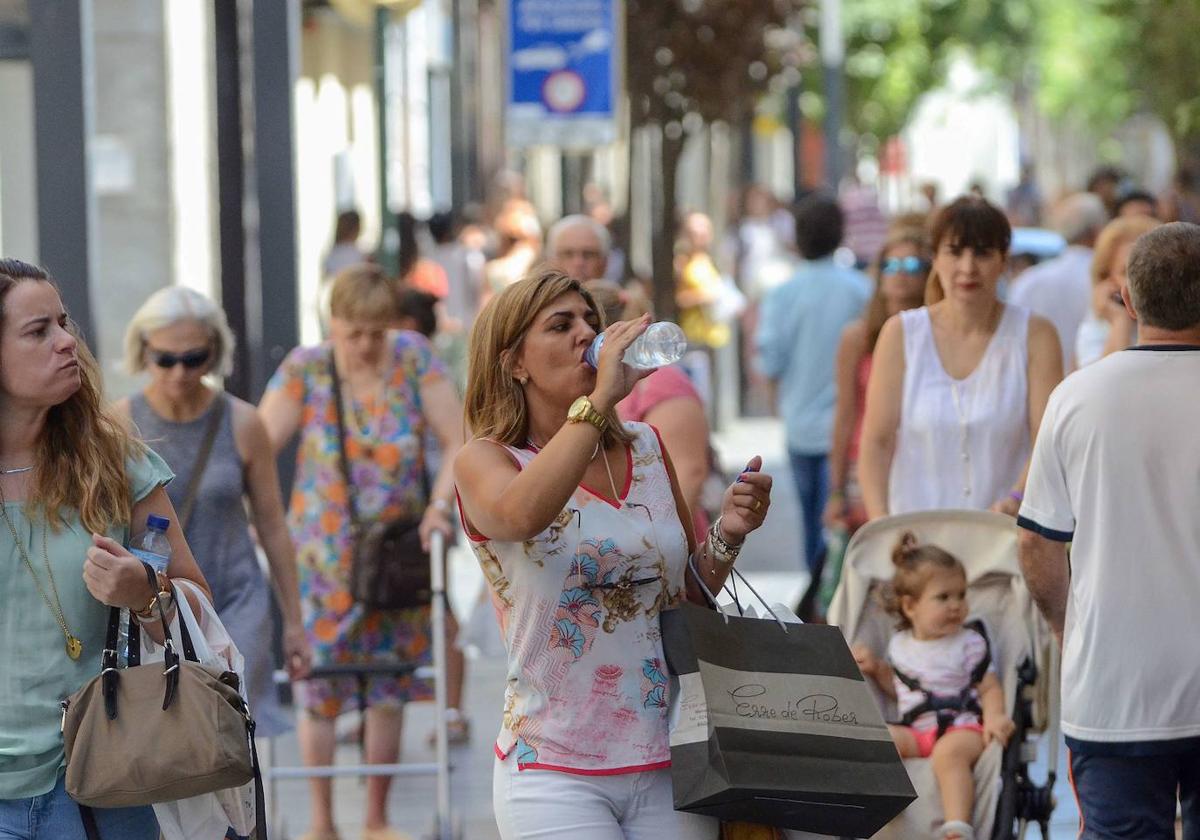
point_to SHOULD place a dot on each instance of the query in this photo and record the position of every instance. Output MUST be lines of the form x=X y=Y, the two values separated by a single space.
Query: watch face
x=579 y=408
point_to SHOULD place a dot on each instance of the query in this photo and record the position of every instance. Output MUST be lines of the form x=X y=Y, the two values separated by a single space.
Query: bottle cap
x=159 y=523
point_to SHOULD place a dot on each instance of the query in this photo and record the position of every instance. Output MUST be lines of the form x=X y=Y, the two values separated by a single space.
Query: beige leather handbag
x=158 y=732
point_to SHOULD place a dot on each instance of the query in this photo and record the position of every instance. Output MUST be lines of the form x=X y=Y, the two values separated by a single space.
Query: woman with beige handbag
x=71 y=480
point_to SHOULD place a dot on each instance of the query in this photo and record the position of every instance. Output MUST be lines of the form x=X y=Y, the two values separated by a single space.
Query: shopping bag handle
x=712 y=599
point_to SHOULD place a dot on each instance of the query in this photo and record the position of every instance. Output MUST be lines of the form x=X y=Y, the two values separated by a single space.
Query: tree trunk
x=663 y=240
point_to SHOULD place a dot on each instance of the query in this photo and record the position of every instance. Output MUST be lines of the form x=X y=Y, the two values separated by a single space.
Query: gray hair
x=1164 y=277
x=172 y=305
x=577 y=220
x=1079 y=215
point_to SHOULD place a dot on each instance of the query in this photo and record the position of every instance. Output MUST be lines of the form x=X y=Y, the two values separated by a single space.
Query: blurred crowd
x=910 y=357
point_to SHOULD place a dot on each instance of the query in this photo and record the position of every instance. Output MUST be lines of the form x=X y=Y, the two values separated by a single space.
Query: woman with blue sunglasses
x=900 y=274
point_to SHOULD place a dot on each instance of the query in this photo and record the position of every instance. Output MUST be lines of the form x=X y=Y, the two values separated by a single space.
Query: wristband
x=1017 y=496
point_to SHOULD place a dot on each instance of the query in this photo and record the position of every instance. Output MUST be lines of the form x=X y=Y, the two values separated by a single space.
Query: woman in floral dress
x=393 y=389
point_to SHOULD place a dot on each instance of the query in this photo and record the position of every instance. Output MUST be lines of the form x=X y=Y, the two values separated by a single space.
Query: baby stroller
x=1025 y=654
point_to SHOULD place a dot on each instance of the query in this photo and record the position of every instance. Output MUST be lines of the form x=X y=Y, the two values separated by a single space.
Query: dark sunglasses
x=904 y=265
x=190 y=359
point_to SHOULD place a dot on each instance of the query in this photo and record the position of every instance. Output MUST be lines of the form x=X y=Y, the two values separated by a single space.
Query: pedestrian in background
x=801 y=324
x=579 y=246
x=393 y=388
x=666 y=400
x=578 y=522
x=698 y=284
x=1107 y=327
x=73 y=484
x=957 y=386
x=1135 y=201
x=1060 y=289
x=900 y=273
x=1114 y=475
x=414 y=270
x=463 y=270
x=218 y=449
x=518 y=246
x=344 y=251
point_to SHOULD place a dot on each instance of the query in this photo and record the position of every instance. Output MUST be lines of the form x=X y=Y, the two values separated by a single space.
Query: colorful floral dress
x=386 y=463
x=579 y=608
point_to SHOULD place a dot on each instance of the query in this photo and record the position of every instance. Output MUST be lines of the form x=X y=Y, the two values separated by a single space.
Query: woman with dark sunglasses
x=181 y=338
x=900 y=274
x=577 y=520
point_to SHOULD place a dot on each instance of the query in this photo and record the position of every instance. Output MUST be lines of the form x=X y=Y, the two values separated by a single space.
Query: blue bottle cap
x=159 y=523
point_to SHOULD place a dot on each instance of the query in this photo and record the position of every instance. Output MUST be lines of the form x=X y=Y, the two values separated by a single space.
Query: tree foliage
x=1098 y=61
x=691 y=62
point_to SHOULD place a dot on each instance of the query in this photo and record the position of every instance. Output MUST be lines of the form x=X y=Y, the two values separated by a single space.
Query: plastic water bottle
x=152 y=546
x=663 y=343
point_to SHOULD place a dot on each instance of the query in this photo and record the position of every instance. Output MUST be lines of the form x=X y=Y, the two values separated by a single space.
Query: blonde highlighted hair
x=173 y=305
x=495 y=405
x=1118 y=232
x=364 y=293
x=81 y=453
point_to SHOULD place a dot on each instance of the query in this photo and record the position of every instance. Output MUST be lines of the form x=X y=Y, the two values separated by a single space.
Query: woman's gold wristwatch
x=582 y=411
x=148 y=612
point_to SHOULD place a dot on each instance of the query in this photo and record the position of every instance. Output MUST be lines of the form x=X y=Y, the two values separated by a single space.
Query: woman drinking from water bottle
x=577 y=520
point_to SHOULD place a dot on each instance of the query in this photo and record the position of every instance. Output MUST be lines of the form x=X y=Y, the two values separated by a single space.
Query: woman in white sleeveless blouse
x=577 y=521
x=958 y=386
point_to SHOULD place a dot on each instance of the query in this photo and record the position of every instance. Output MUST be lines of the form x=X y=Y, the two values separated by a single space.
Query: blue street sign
x=562 y=72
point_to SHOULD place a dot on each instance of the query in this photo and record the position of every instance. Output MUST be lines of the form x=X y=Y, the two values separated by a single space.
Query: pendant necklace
x=74 y=646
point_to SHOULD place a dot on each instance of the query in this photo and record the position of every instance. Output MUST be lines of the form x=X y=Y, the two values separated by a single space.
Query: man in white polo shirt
x=1116 y=472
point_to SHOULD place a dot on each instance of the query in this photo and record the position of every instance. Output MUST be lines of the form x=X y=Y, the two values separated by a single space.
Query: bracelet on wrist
x=1017 y=496
x=722 y=552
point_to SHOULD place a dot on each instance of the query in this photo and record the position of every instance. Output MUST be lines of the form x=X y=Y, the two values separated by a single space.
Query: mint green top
x=35 y=671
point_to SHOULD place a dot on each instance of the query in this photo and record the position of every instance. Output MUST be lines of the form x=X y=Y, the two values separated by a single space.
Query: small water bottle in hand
x=152 y=546
x=663 y=343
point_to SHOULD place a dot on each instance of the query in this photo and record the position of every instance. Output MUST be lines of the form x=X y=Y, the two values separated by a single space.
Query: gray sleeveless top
x=218 y=534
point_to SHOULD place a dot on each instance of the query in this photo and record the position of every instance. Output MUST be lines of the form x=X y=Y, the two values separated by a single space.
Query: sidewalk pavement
x=771 y=561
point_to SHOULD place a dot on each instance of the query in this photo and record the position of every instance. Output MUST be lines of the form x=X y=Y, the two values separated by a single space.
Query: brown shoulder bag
x=157 y=732
x=389 y=570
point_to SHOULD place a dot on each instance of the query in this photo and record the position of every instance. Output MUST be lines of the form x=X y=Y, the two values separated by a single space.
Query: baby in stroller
x=939 y=671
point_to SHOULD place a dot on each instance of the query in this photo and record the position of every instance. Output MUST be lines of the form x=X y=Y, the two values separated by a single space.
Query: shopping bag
x=773 y=723
x=210 y=814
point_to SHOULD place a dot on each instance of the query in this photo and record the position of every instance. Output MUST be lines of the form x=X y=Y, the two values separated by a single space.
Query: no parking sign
x=562 y=72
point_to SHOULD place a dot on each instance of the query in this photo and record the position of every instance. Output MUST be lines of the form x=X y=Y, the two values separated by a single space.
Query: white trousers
x=555 y=805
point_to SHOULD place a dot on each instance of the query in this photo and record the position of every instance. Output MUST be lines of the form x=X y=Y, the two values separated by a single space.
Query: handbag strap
x=90 y=828
x=336 y=384
x=110 y=673
x=210 y=436
x=344 y=461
